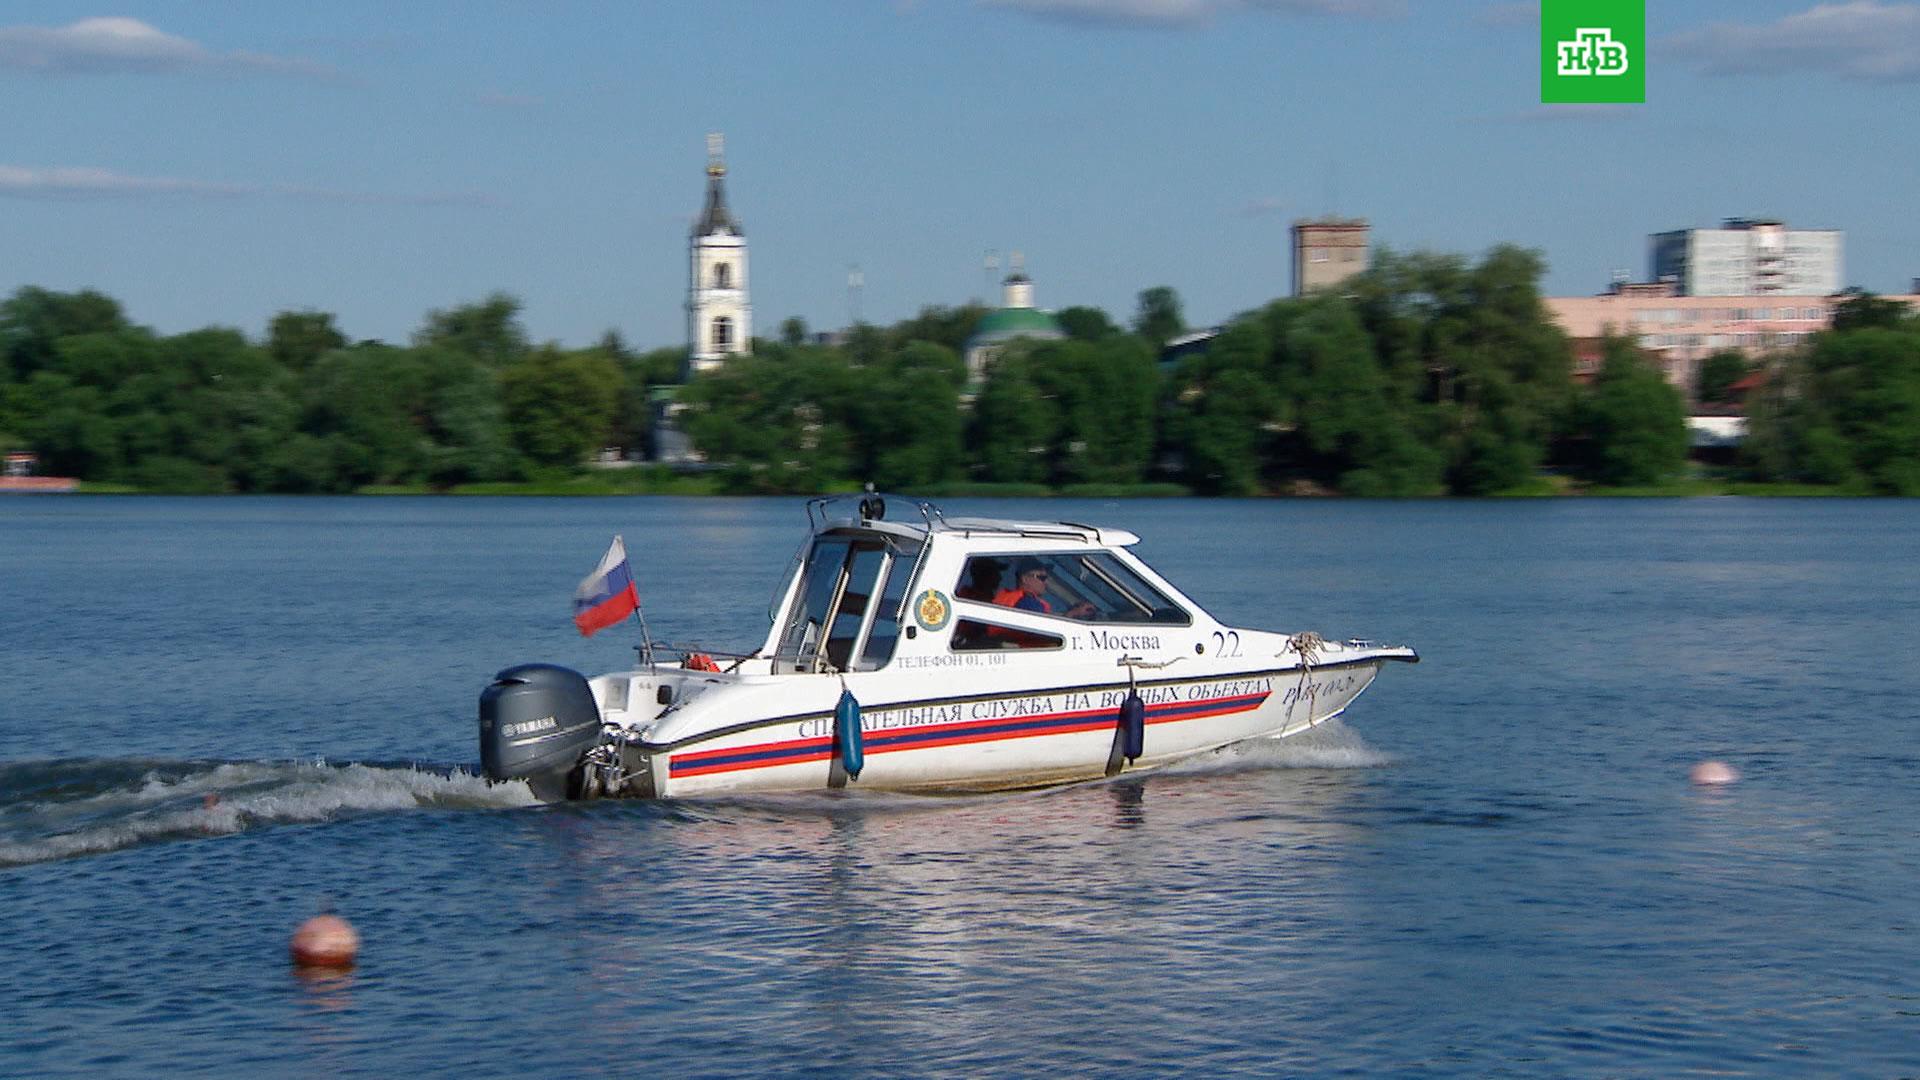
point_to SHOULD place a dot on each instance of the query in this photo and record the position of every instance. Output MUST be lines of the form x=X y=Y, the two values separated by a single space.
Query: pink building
x=1681 y=331
x=19 y=477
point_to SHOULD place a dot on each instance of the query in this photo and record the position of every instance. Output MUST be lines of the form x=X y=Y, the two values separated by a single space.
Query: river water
x=1493 y=866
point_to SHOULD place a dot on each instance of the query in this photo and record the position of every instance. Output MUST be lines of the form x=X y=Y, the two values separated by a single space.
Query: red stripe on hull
x=971 y=731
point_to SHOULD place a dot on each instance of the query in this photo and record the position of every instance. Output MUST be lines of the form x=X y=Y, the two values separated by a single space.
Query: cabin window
x=972 y=635
x=836 y=617
x=1087 y=586
x=819 y=588
x=843 y=630
x=884 y=632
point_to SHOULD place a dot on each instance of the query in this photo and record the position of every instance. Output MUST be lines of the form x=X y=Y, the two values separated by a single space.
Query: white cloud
x=376 y=198
x=1181 y=13
x=86 y=182
x=107 y=45
x=89 y=182
x=1861 y=39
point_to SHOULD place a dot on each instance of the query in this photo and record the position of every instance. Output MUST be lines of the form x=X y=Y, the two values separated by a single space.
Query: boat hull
x=1010 y=739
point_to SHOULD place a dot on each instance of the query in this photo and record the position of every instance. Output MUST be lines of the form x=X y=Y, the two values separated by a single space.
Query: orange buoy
x=1713 y=774
x=324 y=941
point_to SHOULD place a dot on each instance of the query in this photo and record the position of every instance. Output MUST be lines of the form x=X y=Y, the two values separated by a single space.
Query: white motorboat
x=932 y=653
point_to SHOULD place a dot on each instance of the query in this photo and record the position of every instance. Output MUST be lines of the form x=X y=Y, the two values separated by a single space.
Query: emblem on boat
x=932 y=609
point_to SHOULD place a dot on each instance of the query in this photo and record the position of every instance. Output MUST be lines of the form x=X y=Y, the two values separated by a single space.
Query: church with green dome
x=1015 y=318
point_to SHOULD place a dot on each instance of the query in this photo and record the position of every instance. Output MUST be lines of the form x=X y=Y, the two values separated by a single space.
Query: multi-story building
x=1680 y=331
x=1750 y=257
x=1327 y=251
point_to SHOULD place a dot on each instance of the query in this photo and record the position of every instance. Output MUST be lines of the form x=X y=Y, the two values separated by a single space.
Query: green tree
x=614 y=347
x=641 y=375
x=230 y=407
x=1862 y=310
x=488 y=331
x=903 y=413
x=1083 y=323
x=1472 y=361
x=297 y=339
x=1845 y=410
x=1357 y=433
x=1634 y=421
x=1221 y=435
x=1014 y=424
x=193 y=412
x=1157 y=317
x=362 y=404
x=461 y=412
x=560 y=406
x=1102 y=398
x=69 y=427
x=1712 y=384
x=776 y=419
x=659 y=367
x=113 y=358
x=110 y=398
x=33 y=321
x=1862 y=410
x=1221 y=411
x=944 y=326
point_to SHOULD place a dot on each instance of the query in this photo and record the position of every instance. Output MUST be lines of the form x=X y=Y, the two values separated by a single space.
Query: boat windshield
x=846 y=614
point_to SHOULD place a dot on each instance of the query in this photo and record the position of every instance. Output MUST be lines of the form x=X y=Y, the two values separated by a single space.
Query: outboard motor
x=536 y=723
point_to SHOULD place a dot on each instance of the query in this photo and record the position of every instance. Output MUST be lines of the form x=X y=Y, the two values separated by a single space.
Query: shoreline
x=587 y=487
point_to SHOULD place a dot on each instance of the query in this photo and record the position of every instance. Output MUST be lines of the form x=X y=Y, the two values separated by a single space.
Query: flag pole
x=646 y=639
x=639 y=614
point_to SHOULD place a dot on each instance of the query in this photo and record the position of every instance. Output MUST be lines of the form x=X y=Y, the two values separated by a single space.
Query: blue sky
x=212 y=163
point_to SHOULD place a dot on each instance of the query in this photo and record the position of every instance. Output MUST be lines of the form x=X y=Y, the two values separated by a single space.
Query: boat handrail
x=1032 y=530
x=699 y=650
x=934 y=519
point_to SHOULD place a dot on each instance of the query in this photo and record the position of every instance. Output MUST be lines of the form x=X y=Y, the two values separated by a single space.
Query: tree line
x=1428 y=374
x=305 y=410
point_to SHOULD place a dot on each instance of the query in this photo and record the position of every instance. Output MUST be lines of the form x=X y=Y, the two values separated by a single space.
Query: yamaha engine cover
x=536 y=721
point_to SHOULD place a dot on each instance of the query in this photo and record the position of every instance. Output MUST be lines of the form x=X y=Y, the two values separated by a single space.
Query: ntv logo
x=1592 y=52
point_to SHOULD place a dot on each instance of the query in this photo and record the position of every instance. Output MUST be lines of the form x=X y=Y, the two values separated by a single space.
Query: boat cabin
x=865 y=589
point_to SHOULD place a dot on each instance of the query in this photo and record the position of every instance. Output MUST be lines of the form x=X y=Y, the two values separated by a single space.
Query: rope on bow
x=1307 y=646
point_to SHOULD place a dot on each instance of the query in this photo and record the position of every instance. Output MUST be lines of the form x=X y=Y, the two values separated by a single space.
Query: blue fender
x=1133 y=726
x=848 y=742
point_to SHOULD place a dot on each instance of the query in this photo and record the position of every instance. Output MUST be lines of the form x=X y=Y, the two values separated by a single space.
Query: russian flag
x=607 y=595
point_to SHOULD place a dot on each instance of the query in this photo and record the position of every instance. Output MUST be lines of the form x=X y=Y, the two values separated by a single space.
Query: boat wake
x=62 y=809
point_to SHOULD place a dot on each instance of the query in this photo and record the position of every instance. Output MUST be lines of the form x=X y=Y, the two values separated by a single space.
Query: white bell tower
x=719 y=318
